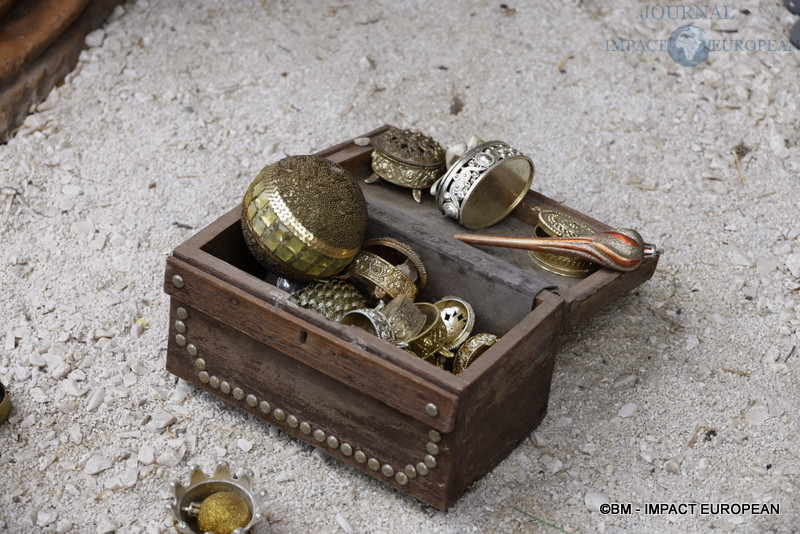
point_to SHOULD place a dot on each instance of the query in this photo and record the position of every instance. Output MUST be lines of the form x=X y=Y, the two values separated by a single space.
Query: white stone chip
x=71 y=190
x=162 y=419
x=283 y=476
x=361 y=141
x=757 y=414
x=45 y=517
x=169 y=458
x=137 y=329
x=95 y=38
x=344 y=524
x=36 y=360
x=793 y=264
x=105 y=525
x=555 y=466
x=244 y=444
x=778 y=146
x=96 y=399
x=73 y=389
x=63 y=526
x=671 y=466
x=627 y=409
x=129 y=379
x=625 y=381
x=146 y=455
x=739 y=258
x=593 y=500
x=182 y=390
x=96 y=464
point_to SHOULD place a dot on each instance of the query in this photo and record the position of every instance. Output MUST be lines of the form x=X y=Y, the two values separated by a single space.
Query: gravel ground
x=684 y=391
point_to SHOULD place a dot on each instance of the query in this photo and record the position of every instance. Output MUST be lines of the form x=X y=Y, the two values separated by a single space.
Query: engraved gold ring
x=471 y=349
x=371 y=321
x=427 y=343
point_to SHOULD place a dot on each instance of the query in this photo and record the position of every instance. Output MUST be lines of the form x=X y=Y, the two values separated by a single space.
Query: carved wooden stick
x=621 y=250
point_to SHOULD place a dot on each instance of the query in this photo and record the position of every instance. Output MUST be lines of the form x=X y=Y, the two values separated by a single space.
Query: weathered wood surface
x=30 y=27
x=312 y=346
x=33 y=81
x=5 y=5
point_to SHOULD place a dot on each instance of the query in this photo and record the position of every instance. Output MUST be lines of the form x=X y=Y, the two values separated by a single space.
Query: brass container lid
x=408 y=159
x=410 y=148
x=558 y=224
x=304 y=217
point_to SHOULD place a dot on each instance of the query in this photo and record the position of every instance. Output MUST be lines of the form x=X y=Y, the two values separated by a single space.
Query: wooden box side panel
x=306 y=404
x=312 y=346
x=508 y=399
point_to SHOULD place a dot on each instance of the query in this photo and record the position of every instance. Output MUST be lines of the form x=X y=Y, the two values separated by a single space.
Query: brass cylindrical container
x=304 y=217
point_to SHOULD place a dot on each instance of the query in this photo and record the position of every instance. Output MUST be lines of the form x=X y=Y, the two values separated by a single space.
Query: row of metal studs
x=402 y=477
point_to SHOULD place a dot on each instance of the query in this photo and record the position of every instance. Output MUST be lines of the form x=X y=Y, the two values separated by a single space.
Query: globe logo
x=688 y=46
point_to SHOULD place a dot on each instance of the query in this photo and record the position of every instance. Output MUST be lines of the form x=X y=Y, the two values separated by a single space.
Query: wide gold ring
x=471 y=349
x=399 y=253
x=434 y=333
x=406 y=319
x=379 y=277
x=371 y=321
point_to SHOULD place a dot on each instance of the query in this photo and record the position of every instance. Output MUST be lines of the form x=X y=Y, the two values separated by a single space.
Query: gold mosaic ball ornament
x=407 y=159
x=304 y=217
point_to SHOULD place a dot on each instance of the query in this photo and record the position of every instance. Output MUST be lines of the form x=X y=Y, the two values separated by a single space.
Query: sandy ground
x=686 y=391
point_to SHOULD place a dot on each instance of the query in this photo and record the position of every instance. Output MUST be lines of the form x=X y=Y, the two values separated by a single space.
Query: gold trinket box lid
x=408 y=159
x=410 y=148
x=304 y=217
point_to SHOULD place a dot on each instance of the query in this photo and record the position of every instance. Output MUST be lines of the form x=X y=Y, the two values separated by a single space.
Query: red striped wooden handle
x=621 y=250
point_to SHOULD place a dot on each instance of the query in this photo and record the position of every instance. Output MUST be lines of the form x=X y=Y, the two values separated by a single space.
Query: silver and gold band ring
x=371 y=321
x=484 y=185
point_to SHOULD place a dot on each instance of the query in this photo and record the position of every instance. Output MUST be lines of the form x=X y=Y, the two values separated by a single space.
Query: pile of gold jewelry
x=304 y=219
